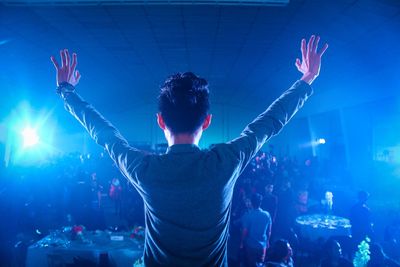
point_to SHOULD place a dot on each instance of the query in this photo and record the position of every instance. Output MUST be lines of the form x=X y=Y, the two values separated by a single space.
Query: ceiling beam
x=144 y=2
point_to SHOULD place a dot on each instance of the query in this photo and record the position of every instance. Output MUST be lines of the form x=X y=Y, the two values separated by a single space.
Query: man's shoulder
x=265 y=214
x=218 y=146
x=258 y=213
x=223 y=151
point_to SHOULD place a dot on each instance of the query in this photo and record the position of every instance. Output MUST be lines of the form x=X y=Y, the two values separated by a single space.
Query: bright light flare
x=30 y=137
x=321 y=141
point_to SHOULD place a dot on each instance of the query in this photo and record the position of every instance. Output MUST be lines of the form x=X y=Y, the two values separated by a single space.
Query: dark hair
x=278 y=251
x=256 y=200
x=183 y=102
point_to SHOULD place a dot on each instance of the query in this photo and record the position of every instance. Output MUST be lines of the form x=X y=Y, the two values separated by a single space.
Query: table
x=317 y=226
x=94 y=248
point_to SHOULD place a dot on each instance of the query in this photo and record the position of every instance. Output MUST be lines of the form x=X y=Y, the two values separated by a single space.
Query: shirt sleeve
x=269 y=123
x=127 y=158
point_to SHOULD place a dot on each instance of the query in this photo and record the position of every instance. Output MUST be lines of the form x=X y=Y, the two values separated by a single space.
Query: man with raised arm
x=187 y=192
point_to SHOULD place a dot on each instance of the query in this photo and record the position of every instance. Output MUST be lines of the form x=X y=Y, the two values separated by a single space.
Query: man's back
x=257 y=222
x=360 y=220
x=187 y=194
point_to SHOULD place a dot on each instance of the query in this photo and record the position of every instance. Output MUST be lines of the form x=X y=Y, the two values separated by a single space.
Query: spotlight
x=30 y=137
x=321 y=141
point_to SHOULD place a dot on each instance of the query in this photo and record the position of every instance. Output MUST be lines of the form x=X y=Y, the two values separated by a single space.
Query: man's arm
x=103 y=132
x=269 y=231
x=278 y=114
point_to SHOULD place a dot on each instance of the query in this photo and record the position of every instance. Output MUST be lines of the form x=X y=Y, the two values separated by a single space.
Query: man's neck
x=180 y=139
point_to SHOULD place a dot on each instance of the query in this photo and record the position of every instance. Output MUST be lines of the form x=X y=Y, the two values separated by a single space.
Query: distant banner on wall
x=385 y=140
x=388 y=154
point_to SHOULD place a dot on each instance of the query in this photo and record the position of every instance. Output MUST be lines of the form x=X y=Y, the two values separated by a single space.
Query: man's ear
x=207 y=122
x=160 y=121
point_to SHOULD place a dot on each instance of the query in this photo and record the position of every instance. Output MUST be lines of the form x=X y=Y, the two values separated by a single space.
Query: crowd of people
x=285 y=189
x=73 y=189
x=269 y=195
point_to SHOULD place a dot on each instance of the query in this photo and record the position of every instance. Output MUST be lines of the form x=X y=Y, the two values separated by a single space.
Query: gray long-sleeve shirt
x=257 y=223
x=187 y=192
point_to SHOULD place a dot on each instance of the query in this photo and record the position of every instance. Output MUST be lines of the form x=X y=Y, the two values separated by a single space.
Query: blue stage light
x=321 y=141
x=30 y=137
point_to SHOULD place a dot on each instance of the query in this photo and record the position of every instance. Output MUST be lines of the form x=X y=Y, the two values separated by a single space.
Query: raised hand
x=310 y=63
x=67 y=72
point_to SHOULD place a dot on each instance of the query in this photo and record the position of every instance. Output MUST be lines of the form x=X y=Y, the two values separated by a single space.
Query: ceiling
x=247 y=53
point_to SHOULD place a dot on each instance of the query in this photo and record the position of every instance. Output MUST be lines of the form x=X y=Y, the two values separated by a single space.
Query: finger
x=310 y=44
x=77 y=76
x=62 y=55
x=323 y=49
x=316 y=44
x=298 y=63
x=67 y=57
x=74 y=62
x=55 y=63
x=303 y=49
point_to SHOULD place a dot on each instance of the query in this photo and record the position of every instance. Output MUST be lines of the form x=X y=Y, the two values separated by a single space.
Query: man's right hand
x=67 y=72
x=310 y=63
